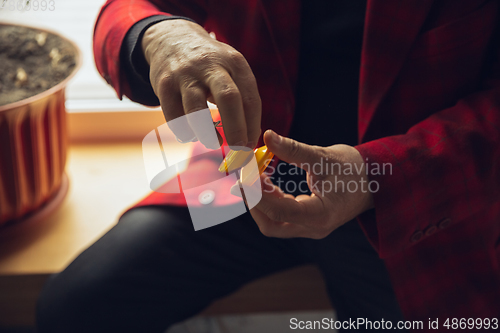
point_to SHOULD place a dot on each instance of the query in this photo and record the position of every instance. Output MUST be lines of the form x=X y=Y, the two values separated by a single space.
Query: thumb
x=291 y=151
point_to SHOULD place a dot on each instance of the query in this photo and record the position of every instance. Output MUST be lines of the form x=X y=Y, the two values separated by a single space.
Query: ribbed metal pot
x=33 y=146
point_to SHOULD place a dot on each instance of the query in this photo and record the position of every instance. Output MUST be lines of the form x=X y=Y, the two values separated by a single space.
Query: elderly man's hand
x=315 y=216
x=188 y=67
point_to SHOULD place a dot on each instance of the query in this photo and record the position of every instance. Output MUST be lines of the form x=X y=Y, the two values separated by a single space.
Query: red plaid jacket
x=429 y=104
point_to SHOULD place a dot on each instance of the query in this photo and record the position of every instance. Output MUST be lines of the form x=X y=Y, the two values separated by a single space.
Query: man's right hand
x=189 y=67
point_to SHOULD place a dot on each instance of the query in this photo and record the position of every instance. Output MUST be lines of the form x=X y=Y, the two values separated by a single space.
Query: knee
x=89 y=295
x=52 y=310
x=69 y=303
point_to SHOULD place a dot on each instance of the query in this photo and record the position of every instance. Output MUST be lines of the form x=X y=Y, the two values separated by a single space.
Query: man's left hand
x=330 y=205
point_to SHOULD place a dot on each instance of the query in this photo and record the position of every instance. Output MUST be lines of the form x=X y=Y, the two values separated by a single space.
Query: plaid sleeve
x=434 y=147
x=442 y=171
x=114 y=21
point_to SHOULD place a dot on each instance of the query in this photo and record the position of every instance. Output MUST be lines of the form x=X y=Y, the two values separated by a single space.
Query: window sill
x=112 y=126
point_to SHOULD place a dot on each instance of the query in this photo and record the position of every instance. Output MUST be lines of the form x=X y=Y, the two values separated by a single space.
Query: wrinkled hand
x=315 y=216
x=189 y=67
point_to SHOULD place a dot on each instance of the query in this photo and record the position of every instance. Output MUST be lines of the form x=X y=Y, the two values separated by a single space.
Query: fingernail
x=212 y=146
x=235 y=190
x=193 y=139
x=275 y=137
x=240 y=146
x=251 y=145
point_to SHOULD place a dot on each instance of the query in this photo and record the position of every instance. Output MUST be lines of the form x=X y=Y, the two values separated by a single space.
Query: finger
x=252 y=106
x=302 y=197
x=268 y=186
x=253 y=192
x=173 y=110
x=228 y=99
x=194 y=101
x=236 y=190
x=294 y=152
x=288 y=209
x=272 y=228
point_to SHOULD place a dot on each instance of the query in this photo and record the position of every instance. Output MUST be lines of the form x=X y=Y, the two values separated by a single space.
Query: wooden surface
x=298 y=289
x=112 y=126
x=105 y=179
x=18 y=295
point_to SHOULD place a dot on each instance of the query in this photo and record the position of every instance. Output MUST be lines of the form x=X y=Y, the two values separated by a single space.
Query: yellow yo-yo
x=263 y=157
x=237 y=159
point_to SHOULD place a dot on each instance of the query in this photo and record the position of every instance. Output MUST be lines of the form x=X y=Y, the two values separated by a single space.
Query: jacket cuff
x=400 y=218
x=133 y=63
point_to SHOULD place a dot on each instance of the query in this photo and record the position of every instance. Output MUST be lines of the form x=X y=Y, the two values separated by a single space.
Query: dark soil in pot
x=31 y=62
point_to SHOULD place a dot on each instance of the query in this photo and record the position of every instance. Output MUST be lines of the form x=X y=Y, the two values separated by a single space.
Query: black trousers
x=153 y=270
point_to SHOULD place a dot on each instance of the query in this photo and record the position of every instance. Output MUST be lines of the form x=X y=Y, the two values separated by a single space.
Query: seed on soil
x=41 y=38
x=55 y=56
x=21 y=77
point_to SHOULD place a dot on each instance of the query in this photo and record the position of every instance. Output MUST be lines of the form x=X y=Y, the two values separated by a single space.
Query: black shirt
x=330 y=56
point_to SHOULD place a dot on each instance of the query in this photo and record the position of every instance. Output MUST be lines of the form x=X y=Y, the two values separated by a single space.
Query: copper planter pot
x=33 y=146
